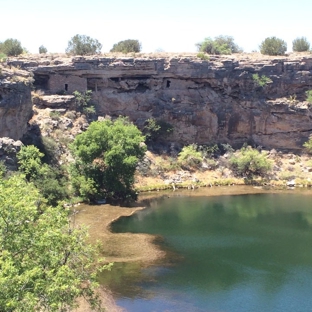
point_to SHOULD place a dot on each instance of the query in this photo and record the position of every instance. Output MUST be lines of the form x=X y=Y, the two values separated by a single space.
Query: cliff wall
x=15 y=102
x=207 y=101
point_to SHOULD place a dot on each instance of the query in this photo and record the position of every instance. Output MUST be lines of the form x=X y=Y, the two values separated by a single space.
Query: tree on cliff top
x=106 y=156
x=219 y=45
x=83 y=45
x=301 y=44
x=127 y=46
x=45 y=263
x=273 y=46
x=11 y=47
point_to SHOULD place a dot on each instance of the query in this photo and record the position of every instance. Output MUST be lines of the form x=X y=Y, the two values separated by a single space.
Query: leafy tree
x=50 y=181
x=249 y=162
x=126 y=46
x=82 y=45
x=45 y=263
x=301 y=45
x=219 y=45
x=273 y=46
x=106 y=158
x=43 y=49
x=11 y=47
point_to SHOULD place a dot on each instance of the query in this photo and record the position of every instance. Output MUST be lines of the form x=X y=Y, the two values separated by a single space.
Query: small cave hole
x=168 y=83
x=66 y=87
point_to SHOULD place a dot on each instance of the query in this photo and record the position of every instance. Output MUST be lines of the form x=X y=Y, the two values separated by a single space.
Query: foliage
x=300 y=45
x=2 y=169
x=308 y=145
x=126 y=46
x=155 y=130
x=55 y=115
x=83 y=45
x=11 y=47
x=50 y=181
x=45 y=263
x=2 y=55
x=273 y=46
x=203 y=56
x=83 y=102
x=261 y=81
x=249 y=162
x=106 y=156
x=190 y=156
x=218 y=45
x=309 y=96
x=43 y=49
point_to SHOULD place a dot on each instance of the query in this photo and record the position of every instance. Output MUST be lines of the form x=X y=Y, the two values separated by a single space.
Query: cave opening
x=168 y=83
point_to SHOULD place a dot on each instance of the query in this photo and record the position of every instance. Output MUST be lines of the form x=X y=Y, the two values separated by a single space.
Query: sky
x=169 y=25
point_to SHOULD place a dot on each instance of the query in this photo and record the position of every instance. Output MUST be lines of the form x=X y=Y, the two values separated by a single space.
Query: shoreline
x=142 y=248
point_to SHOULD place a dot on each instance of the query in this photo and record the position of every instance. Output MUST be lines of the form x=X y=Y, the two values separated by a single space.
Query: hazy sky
x=170 y=25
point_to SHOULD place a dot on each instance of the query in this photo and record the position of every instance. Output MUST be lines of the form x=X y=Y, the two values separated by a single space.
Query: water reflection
x=240 y=253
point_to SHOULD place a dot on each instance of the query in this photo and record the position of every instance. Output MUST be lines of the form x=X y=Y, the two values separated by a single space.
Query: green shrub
x=156 y=130
x=127 y=46
x=219 y=45
x=84 y=103
x=308 y=146
x=203 y=56
x=250 y=162
x=301 y=45
x=190 y=156
x=261 y=81
x=309 y=96
x=43 y=49
x=3 y=169
x=273 y=46
x=55 y=115
x=83 y=45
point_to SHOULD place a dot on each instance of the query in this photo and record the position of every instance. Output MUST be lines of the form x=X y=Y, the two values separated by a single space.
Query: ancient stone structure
x=214 y=101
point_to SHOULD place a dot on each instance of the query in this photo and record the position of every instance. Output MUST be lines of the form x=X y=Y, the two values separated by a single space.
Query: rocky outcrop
x=8 y=150
x=15 y=103
x=214 y=101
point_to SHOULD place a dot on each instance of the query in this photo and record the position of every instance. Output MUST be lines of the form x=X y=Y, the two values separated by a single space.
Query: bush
x=203 y=56
x=309 y=96
x=155 y=130
x=308 y=146
x=249 y=162
x=11 y=47
x=83 y=45
x=84 y=103
x=43 y=49
x=219 y=45
x=127 y=46
x=273 y=46
x=190 y=156
x=261 y=81
x=301 y=45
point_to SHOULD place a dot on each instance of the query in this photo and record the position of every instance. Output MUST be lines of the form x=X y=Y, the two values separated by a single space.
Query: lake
x=229 y=253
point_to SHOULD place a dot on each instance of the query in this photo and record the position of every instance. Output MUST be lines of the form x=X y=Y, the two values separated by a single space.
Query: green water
x=227 y=253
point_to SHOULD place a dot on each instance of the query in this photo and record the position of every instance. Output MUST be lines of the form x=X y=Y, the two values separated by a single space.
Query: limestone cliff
x=207 y=101
x=15 y=102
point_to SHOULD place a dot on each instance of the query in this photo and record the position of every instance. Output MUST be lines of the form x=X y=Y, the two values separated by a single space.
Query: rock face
x=207 y=102
x=15 y=104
